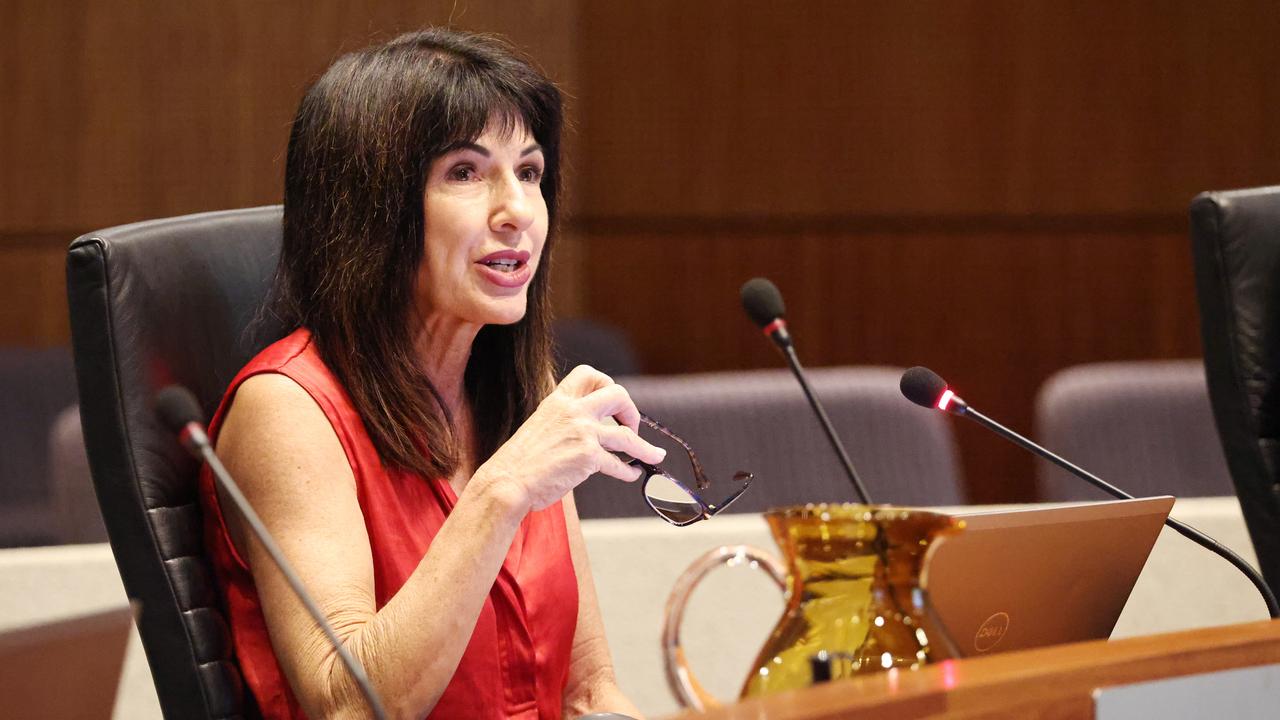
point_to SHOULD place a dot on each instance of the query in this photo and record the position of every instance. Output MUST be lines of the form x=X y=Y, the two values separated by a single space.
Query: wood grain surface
x=994 y=188
x=1054 y=683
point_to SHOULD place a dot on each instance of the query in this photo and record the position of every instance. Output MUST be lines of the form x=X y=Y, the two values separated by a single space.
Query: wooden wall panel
x=994 y=311
x=33 y=305
x=754 y=108
x=996 y=188
x=120 y=110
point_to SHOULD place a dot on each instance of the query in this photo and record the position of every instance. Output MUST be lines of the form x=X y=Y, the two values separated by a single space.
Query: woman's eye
x=531 y=174
x=462 y=173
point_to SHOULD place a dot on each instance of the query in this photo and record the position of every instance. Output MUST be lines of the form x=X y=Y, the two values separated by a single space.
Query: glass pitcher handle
x=688 y=691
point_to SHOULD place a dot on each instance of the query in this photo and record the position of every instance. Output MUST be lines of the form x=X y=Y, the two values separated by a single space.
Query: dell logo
x=991 y=632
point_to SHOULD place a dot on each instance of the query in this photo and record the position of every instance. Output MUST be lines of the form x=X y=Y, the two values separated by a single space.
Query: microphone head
x=762 y=301
x=177 y=408
x=922 y=386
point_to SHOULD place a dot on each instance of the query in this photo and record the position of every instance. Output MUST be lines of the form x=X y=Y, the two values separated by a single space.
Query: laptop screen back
x=1030 y=578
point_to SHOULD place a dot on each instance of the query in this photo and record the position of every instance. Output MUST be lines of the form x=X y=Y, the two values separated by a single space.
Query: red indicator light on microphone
x=945 y=400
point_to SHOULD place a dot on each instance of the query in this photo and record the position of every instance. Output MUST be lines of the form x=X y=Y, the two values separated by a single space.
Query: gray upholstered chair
x=759 y=421
x=1145 y=427
x=76 y=516
x=35 y=385
x=582 y=341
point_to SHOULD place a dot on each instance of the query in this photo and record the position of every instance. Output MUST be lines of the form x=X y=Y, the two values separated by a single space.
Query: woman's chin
x=505 y=313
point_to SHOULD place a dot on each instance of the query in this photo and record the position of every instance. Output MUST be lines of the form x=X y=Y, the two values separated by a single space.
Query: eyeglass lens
x=670 y=500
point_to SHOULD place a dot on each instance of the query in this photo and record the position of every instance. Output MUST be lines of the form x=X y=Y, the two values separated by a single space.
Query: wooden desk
x=636 y=561
x=1048 y=683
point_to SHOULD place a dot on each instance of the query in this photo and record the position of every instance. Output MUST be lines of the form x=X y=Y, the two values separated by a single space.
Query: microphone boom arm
x=789 y=353
x=205 y=449
x=1199 y=538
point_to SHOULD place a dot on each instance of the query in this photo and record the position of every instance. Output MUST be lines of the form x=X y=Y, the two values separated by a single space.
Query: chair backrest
x=1235 y=243
x=581 y=341
x=1144 y=426
x=76 y=514
x=35 y=384
x=759 y=421
x=155 y=303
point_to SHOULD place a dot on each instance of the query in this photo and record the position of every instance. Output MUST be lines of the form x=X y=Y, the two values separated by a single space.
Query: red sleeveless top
x=517 y=662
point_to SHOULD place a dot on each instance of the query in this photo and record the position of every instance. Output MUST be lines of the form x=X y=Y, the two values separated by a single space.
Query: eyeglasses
x=677 y=493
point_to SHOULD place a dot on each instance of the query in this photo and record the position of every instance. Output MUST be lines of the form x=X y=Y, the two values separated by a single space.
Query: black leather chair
x=1235 y=242
x=155 y=303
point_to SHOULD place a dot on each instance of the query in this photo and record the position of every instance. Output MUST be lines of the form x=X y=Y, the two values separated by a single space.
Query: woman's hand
x=570 y=437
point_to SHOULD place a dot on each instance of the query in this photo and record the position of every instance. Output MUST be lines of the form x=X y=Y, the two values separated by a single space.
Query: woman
x=406 y=444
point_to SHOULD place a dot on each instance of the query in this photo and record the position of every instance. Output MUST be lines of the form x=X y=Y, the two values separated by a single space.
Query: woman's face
x=485 y=225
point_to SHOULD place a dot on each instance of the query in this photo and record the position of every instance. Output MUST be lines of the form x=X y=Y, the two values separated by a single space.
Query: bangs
x=475 y=101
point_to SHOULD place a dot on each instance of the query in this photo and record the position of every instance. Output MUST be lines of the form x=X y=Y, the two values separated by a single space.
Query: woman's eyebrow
x=484 y=151
x=466 y=145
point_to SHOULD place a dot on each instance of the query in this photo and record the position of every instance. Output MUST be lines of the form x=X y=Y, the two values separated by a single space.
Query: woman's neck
x=443 y=348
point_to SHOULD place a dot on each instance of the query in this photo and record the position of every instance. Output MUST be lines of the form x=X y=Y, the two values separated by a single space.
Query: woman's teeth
x=505 y=266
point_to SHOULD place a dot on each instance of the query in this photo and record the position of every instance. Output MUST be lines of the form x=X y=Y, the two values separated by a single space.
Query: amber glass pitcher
x=854 y=603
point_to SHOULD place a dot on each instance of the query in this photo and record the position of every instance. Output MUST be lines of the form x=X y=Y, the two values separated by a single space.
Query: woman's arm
x=302 y=485
x=592 y=686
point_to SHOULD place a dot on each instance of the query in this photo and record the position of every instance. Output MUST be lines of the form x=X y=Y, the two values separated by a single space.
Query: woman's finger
x=614 y=467
x=583 y=380
x=613 y=401
x=617 y=438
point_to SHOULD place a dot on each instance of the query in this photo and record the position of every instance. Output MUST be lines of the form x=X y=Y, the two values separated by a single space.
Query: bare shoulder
x=274 y=428
x=271 y=398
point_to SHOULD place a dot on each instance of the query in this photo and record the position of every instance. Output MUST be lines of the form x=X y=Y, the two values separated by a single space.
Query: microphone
x=926 y=388
x=180 y=413
x=763 y=303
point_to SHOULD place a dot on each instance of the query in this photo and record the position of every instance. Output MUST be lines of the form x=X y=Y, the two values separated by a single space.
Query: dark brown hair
x=362 y=143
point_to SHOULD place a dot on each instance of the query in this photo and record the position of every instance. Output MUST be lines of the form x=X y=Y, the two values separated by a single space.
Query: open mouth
x=507 y=268
x=504 y=266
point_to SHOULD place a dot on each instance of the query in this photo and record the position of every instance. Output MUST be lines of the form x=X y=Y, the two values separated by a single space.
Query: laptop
x=1020 y=579
x=67 y=669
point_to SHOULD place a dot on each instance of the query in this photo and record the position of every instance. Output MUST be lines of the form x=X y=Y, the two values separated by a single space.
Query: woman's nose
x=512 y=211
